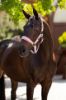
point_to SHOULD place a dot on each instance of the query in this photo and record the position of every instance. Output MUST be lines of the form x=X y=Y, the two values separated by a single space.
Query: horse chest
x=37 y=74
x=37 y=68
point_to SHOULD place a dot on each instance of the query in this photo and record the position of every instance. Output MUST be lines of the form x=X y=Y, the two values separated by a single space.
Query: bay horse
x=31 y=59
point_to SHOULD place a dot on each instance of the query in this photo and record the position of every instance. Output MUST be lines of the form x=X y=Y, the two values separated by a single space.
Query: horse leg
x=46 y=83
x=64 y=71
x=2 y=88
x=14 y=85
x=30 y=90
x=45 y=89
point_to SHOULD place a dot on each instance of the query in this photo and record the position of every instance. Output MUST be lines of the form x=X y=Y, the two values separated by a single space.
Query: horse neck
x=47 y=36
x=46 y=48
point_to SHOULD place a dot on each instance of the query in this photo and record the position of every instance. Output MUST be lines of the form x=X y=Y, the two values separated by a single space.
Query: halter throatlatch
x=34 y=44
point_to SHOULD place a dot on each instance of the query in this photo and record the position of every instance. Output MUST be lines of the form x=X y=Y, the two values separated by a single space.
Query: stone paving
x=57 y=90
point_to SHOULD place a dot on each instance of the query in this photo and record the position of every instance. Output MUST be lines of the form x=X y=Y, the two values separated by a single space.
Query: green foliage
x=62 y=3
x=62 y=39
x=14 y=7
x=47 y=5
x=43 y=7
x=7 y=27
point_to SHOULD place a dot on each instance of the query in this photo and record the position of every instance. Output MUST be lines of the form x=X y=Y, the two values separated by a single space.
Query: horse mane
x=46 y=32
x=48 y=41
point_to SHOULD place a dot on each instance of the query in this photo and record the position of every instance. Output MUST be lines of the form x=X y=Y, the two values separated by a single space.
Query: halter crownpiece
x=42 y=26
x=34 y=44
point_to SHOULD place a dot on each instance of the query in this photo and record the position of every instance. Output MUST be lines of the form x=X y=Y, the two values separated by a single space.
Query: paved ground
x=57 y=90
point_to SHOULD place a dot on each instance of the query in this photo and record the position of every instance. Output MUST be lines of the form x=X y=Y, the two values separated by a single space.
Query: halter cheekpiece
x=34 y=44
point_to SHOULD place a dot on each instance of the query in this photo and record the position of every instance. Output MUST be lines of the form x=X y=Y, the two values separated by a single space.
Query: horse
x=31 y=59
x=61 y=62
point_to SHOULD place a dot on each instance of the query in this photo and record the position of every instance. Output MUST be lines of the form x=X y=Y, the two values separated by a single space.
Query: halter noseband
x=34 y=44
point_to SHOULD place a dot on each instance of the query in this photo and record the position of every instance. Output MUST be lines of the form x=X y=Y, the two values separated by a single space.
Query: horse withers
x=31 y=59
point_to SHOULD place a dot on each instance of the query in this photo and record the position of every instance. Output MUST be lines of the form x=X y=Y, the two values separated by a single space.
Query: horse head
x=32 y=34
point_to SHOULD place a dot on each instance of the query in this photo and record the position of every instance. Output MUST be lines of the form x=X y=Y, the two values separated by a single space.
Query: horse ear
x=35 y=13
x=26 y=14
